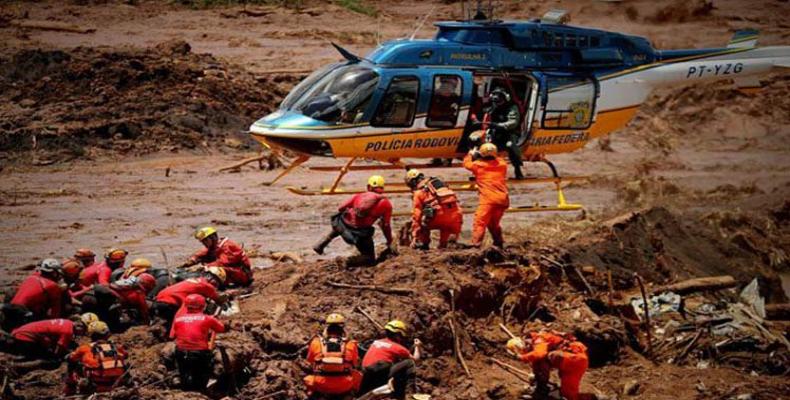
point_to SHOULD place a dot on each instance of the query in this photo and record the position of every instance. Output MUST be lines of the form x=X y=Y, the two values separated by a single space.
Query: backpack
x=441 y=196
x=112 y=366
x=333 y=359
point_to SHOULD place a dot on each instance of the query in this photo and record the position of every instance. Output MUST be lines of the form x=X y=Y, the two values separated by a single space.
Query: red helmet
x=71 y=268
x=147 y=281
x=195 y=302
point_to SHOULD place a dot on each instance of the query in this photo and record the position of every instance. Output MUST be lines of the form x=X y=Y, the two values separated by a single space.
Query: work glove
x=515 y=346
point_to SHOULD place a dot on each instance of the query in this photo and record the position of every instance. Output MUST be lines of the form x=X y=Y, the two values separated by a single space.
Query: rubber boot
x=517 y=170
x=320 y=246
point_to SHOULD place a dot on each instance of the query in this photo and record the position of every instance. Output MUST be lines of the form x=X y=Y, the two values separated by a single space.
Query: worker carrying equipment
x=97 y=367
x=388 y=358
x=334 y=360
x=223 y=253
x=354 y=222
x=193 y=332
x=490 y=173
x=434 y=206
x=547 y=350
x=39 y=296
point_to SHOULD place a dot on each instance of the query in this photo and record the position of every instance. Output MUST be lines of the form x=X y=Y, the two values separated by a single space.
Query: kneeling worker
x=435 y=206
x=97 y=367
x=194 y=332
x=547 y=350
x=333 y=359
x=388 y=358
x=355 y=219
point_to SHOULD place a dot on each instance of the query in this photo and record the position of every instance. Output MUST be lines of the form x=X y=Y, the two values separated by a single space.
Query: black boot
x=519 y=174
x=320 y=246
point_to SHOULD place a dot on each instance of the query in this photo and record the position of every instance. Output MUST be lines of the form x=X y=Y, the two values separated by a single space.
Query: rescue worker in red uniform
x=97 y=367
x=434 y=206
x=49 y=339
x=194 y=334
x=547 y=350
x=101 y=273
x=169 y=301
x=223 y=253
x=354 y=223
x=86 y=257
x=388 y=358
x=136 y=268
x=39 y=296
x=119 y=300
x=490 y=173
x=334 y=360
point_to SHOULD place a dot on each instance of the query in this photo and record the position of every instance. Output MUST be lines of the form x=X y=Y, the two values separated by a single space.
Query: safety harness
x=111 y=366
x=334 y=358
x=442 y=197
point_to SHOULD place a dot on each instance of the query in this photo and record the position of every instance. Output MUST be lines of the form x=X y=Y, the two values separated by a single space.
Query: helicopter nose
x=316 y=147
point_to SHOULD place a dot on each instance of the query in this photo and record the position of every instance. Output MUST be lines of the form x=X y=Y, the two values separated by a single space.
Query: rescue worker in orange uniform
x=224 y=253
x=193 y=332
x=490 y=173
x=169 y=301
x=39 y=296
x=97 y=367
x=435 y=206
x=334 y=360
x=547 y=350
x=49 y=339
x=388 y=358
x=354 y=223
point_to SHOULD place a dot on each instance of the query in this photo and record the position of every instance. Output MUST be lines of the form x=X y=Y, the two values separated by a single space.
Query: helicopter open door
x=568 y=101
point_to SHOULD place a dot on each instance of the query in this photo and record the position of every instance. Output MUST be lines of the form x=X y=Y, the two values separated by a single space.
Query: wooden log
x=645 y=304
x=387 y=290
x=456 y=339
x=369 y=317
x=51 y=26
x=699 y=285
x=518 y=373
x=778 y=312
x=243 y=162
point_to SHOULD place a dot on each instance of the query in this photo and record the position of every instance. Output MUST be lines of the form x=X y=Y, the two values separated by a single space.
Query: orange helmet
x=116 y=255
x=84 y=253
x=71 y=268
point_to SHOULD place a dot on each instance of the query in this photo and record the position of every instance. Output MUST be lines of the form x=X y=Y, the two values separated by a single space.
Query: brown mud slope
x=73 y=103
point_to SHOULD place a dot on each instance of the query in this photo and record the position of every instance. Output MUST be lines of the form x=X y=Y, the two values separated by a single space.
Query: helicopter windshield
x=338 y=96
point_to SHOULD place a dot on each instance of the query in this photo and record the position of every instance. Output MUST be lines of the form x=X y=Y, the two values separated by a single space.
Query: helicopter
x=414 y=99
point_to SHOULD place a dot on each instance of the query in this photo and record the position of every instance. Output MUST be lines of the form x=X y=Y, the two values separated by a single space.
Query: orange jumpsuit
x=491 y=179
x=448 y=218
x=553 y=351
x=333 y=383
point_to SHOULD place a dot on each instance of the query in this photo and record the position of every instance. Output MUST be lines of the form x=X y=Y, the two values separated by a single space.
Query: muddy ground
x=132 y=122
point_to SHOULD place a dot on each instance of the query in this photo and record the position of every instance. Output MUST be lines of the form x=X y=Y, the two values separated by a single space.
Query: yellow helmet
x=98 y=328
x=335 y=319
x=488 y=150
x=396 y=326
x=89 y=318
x=376 y=181
x=141 y=263
x=413 y=173
x=204 y=232
x=219 y=272
x=515 y=345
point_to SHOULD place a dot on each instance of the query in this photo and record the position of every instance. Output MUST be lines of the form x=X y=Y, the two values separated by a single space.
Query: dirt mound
x=663 y=247
x=87 y=101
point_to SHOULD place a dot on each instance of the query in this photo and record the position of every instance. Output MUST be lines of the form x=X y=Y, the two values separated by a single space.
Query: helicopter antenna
x=425 y=18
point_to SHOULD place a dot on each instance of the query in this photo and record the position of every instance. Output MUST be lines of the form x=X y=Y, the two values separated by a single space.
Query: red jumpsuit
x=132 y=297
x=192 y=331
x=176 y=294
x=42 y=296
x=491 y=179
x=96 y=273
x=569 y=357
x=52 y=334
x=230 y=256
x=448 y=218
x=333 y=383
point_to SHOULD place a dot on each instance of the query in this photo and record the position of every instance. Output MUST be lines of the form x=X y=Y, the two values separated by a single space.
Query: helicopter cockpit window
x=399 y=103
x=299 y=90
x=340 y=96
x=445 y=101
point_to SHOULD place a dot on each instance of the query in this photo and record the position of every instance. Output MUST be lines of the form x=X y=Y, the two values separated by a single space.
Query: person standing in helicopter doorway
x=504 y=119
